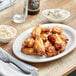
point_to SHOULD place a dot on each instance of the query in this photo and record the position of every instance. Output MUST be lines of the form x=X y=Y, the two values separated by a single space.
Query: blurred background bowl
x=51 y=19
x=7 y=39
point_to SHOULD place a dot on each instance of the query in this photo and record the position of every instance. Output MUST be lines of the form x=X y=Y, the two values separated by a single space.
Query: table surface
x=55 y=68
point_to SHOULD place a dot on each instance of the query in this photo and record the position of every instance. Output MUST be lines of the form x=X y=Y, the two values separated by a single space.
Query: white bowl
x=6 y=40
x=66 y=15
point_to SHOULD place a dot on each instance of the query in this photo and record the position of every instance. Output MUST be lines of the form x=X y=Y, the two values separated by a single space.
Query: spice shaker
x=33 y=7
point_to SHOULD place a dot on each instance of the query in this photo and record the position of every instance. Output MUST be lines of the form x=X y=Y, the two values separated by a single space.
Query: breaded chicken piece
x=57 y=29
x=29 y=51
x=47 y=44
x=39 y=46
x=57 y=41
x=50 y=49
x=36 y=31
x=44 y=36
x=47 y=29
x=63 y=46
x=64 y=38
x=29 y=42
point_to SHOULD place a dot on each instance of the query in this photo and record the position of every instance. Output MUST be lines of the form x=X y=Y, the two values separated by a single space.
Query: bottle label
x=34 y=4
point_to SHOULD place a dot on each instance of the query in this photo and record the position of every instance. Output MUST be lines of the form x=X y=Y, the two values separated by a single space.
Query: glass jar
x=20 y=12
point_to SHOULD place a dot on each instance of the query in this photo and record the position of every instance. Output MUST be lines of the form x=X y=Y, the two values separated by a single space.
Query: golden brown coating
x=29 y=42
x=47 y=44
x=36 y=31
x=63 y=46
x=47 y=29
x=51 y=48
x=44 y=36
x=29 y=51
x=56 y=40
x=51 y=51
x=39 y=46
x=64 y=38
x=57 y=29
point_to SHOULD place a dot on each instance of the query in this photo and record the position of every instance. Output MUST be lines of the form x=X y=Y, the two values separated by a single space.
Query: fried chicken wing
x=47 y=44
x=64 y=38
x=36 y=31
x=51 y=51
x=45 y=29
x=56 y=40
x=44 y=37
x=63 y=46
x=39 y=46
x=29 y=42
x=57 y=29
x=29 y=51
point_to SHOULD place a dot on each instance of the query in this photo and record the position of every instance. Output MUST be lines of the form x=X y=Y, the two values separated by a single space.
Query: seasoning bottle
x=33 y=7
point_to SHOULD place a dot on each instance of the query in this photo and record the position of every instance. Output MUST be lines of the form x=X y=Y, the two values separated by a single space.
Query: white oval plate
x=68 y=31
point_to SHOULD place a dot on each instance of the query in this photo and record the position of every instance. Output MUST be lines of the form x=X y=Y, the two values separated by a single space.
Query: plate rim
x=48 y=59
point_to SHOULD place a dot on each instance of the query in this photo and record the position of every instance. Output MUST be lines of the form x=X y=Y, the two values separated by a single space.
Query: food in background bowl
x=45 y=41
x=7 y=33
x=56 y=15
